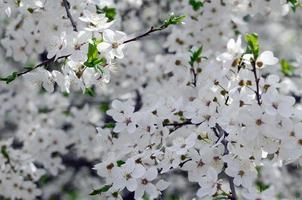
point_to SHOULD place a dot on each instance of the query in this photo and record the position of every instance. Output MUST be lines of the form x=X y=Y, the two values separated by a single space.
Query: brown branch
x=151 y=30
x=177 y=125
x=194 y=82
x=66 y=5
x=219 y=132
x=257 y=79
x=44 y=63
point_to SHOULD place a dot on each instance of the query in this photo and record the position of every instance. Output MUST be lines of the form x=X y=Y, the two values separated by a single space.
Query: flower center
x=144 y=181
x=115 y=45
x=259 y=64
x=241 y=173
x=259 y=122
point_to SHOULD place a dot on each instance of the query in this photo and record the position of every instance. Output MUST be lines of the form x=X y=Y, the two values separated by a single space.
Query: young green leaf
x=196 y=4
x=174 y=20
x=253 y=44
x=120 y=163
x=110 y=13
x=90 y=91
x=196 y=56
x=103 y=189
x=10 y=78
x=294 y=4
x=4 y=152
x=261 y=186
x=93 y=54
x=286 y=68
x=109 y=125
x=104 y=107
x=93 y=58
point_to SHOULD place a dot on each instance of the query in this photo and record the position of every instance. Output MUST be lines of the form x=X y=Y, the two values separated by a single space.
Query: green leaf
x=90 y=91
x=93 y=54
x=261 y=186
x=44 y=110
x=4 y=152
x=253 y=44
x=110 y=13
x=196 y=56
x=145 y=197
x=105 y=188
x=93 y=58
x=174 y=20
x=72 y=195
x=120 y=163
x=10 y=78
x=104 y=107
x=286 y=68
x=196 y=4
x=294 y=4
x=44 y=180
x=109 y=125
x=30 y=10
x=65 y=94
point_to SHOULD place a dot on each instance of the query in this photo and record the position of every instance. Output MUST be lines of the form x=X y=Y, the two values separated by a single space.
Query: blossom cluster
x=207 y=109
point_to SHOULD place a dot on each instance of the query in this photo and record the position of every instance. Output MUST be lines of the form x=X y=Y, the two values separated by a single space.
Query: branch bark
x=219 y=132
x=44 y=63
x=66 y=5
x=257 y=79
x=151 y=30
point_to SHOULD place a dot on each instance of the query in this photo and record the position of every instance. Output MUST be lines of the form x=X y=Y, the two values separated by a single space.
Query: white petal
x=202 y=192
x=162 y=185
x=131 y=185
x=139 y=171
x=151 y=190
x=151 y=174
x=139 y=192
x=119 y=53
x=48 y=86
x=108 y=36
x=103 y=46
x=267 y=57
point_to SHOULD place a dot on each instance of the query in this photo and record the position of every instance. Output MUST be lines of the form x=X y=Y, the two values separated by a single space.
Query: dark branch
x=44 y=63
x=67 y=8
x=194 y=82
x=219 y=132
x=151 y=30
x=257 y=79
x=178 y=125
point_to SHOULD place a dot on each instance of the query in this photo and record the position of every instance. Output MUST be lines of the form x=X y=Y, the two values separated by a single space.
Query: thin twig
x=44 y=63
x=194 y=82
x=151 y=30
x=257 y=79
x=67 y=8
x=177 y=125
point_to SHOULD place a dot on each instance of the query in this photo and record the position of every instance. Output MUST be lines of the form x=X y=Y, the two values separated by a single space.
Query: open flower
x=127 y=175
x=123 y=114
x=234 y=49
x=96 y=22
x=113 y=43
x=266 y=58
x=145 y=184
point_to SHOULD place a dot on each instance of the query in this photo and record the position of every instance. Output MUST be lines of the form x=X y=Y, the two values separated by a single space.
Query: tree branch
x=151 y=30
x=44 y=63
x=67 y=8
x=219 y=132
x=257 y=79
x=178 y=125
